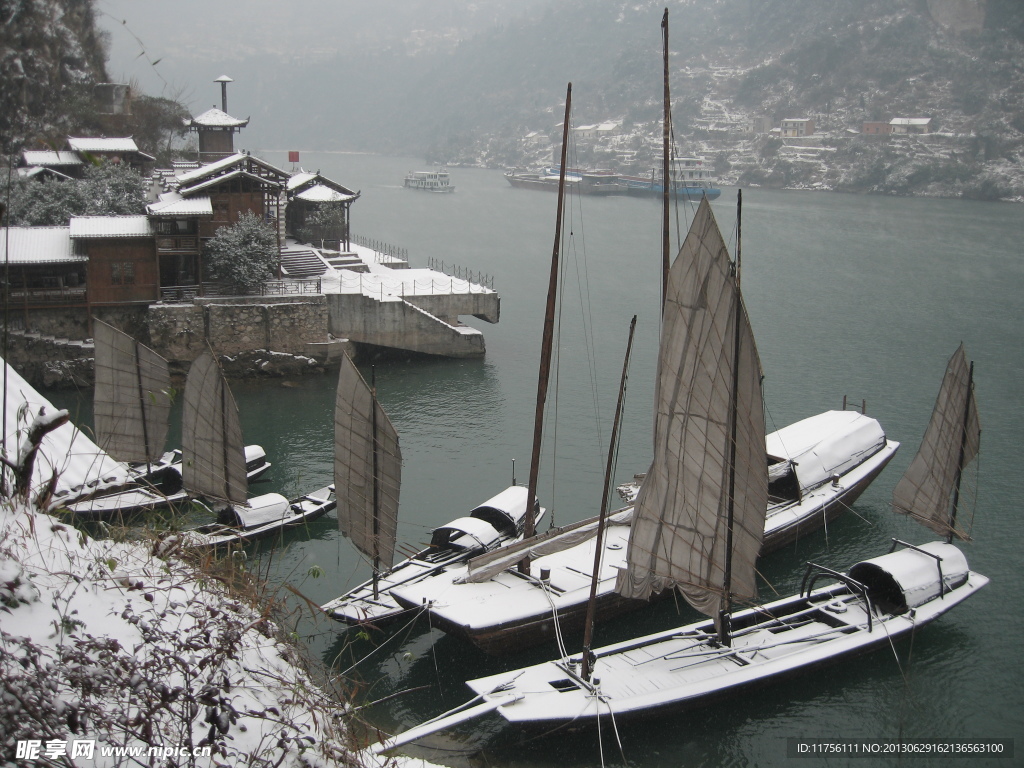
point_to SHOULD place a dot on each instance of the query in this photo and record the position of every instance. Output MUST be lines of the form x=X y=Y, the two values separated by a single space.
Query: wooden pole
x=546 y=344
x=376 y=483
x=588 y=635
x=666 y=129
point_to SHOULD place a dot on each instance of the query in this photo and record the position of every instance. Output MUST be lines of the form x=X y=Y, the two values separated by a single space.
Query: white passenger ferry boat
x=429 y=181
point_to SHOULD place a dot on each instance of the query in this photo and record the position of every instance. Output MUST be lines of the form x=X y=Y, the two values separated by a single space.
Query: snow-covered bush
x=245 y=254
x=111 y=647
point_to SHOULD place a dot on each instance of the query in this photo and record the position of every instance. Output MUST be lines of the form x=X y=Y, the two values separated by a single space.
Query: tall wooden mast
x=588 y=635
x=666 y=132
x=546 y=345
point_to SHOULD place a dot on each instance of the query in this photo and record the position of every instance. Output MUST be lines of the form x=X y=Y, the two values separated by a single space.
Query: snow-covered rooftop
x=36 y=170
x=318 y=193
x=39 y=245
x=910 y=121
x=238 y=174
x=100 y=144
x=300 y=178
x=50 y=157
x=218 y=167
x=210 y=168
x=173 y=204
x=305 y=180
x=217 y=118
x=110 y=226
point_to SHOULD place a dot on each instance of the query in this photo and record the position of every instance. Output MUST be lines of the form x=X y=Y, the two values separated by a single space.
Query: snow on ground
x=107 y=647
x=382 y=282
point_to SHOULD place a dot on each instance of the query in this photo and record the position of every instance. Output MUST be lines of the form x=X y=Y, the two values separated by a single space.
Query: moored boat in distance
x=429 y=181
x=544 y=179
x=690 y=176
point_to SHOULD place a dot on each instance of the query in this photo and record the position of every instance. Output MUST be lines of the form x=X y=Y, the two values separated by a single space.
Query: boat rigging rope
x=615 y=728
x=394 y=635
x=906 y=678
x=562 y=652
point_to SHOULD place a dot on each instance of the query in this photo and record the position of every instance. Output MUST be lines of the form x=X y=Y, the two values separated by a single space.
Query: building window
x=122 y=273
x=220 y=211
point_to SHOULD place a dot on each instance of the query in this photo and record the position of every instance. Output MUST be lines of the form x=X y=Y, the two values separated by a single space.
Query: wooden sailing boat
x=214 y=467
x=368 y=464
x=699 y=524
x=131 y=412
x=368 y=467
x=500 y=612
x=131 y=400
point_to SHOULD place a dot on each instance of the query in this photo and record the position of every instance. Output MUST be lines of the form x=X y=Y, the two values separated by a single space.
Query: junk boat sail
x=215 y=466
x=368 y=465
x=131 y=413
x=700 y=520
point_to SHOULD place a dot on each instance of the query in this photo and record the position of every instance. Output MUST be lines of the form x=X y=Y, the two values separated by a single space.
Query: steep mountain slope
x=50 y=54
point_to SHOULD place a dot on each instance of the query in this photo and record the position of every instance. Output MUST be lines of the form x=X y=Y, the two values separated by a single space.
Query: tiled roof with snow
x=49 y=157
x=298 y=181
x=38 y=245
x=220 y=166
x=216 y=118
x=318 y=193
x=910 y=121
x=300 y=178
x=110 y=226
x=174 y=204
x=211 y=168
x=94 y=144
x=214 y=181
x=36 y=170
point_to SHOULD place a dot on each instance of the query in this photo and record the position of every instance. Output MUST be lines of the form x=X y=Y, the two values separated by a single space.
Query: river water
x=848 y=295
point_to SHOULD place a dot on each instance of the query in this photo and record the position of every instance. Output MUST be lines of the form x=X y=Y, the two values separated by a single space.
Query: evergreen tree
x=245 y=255
x=107 y=189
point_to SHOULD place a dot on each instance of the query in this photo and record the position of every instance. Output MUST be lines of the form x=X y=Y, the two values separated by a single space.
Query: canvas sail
x=925 y=490
x=131 y=403
x=372 y=527
x=211 y=436
x=680 y=530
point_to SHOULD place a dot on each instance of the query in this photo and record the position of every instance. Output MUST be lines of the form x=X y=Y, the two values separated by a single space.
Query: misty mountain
x=851 y=60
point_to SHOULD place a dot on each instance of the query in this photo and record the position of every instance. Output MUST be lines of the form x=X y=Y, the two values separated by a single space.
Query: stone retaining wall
x=289 y=324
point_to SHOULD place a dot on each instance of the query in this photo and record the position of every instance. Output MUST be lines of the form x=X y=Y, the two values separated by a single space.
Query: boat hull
x=692 y=193
x=364 y=605
x=830 y=511
x=508 y=613
x=686 y=667
x=300 y=511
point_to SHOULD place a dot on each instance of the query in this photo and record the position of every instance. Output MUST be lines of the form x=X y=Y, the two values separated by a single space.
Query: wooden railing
x=60 y=294
x=185 y=293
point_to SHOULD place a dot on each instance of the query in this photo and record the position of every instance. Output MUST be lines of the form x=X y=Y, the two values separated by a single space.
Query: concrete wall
x=486 y=306
x=397 y=323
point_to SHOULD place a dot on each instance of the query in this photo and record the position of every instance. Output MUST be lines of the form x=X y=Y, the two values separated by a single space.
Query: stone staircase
x=346 y=260
x=301 y=262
